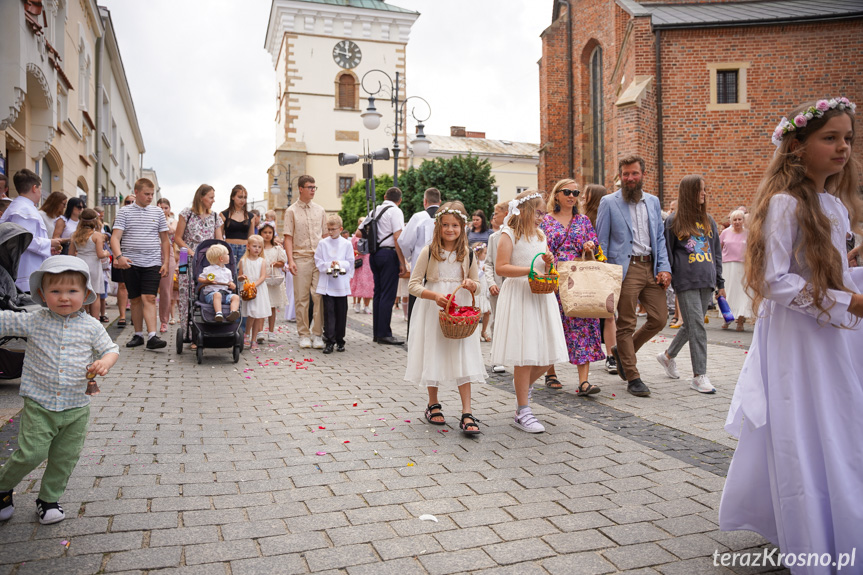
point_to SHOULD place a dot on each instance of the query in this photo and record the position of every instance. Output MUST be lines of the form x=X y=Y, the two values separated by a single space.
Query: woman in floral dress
x=362 y=282
x=568 y=233
x=195 y=225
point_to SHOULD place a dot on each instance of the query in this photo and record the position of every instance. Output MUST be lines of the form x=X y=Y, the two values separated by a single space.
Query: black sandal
x=430 y=415
x=121 y=322
x=469 y=428
x=589 y=390
x=552 y=382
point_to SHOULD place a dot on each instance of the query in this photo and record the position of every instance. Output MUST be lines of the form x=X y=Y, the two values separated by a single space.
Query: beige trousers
x=305 y=284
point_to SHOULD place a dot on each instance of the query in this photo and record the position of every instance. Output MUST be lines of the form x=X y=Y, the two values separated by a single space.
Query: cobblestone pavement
x=283 y=465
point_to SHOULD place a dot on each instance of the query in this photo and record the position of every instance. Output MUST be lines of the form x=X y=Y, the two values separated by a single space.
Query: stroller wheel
x=179 y=340
x=237 y=350
x=200 y=352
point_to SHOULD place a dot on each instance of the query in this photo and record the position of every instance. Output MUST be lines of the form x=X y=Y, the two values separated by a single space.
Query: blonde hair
x=69 y=276
x=524 y=224
x=215 y=253
x=270 y=215
x=461 y=248
x=553 y=205
x=735 y=213
x=252 y=239
x=88 y=223
x=786 y=174
x=500 y=207
x=334 y=219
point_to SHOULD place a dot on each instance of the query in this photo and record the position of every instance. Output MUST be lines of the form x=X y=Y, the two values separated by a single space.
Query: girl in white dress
x=482 y=296
x=253 y=269
x=276 y=259
x=434 y=360
x=90 y=247
x=797 y=472
x=528 y=328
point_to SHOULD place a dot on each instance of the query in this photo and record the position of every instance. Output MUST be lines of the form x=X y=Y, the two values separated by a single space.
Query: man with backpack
x=387 y=262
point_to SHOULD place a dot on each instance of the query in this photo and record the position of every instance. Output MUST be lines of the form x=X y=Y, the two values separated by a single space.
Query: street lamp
x=275 y=189
x=372 y=118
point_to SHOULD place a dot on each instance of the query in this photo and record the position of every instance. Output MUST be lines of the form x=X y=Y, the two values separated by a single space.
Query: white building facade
x=320 y=51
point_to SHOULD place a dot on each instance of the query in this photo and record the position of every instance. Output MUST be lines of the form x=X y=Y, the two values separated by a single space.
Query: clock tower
x=320 y=51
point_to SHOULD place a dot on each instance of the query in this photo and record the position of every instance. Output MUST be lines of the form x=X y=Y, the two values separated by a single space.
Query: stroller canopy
x=14 y=240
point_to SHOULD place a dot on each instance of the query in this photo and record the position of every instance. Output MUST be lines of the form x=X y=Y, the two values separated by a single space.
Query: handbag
x=589 y=288
x=358 y=263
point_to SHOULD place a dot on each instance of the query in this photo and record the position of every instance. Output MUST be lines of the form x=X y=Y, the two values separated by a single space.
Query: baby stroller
x=14 y=240
x=205 y=330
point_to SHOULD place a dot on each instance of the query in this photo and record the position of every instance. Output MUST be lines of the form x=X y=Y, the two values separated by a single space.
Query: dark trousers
x=385 y=271
x=412 y=299
x=335 y=318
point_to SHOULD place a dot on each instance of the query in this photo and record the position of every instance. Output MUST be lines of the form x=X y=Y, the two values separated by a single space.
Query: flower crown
x=479 y=247
x=816 y=111
x=514 y=204
x=451 y=211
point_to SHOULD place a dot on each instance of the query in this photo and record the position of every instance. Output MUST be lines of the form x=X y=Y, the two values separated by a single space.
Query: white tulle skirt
x=738 y=301
x=528 y=329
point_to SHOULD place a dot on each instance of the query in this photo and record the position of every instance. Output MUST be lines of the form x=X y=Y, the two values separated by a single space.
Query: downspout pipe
x=570 y=89
x=660 y=171
x=98 y=136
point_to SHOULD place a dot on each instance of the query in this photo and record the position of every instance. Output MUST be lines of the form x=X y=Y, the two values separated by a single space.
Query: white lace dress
x=797 y=472
x=482 y=296
x=528 y=329
x=434 y=360
x=260 y=306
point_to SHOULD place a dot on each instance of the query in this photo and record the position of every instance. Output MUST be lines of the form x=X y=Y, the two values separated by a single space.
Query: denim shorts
x=226 y=296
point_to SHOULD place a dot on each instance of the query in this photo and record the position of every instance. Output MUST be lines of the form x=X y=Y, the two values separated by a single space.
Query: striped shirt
x=141 y=227
x=58 y=350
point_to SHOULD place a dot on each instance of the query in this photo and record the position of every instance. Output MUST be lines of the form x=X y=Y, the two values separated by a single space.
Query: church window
x=347 y=92
x=596 y=134
x=727 y=86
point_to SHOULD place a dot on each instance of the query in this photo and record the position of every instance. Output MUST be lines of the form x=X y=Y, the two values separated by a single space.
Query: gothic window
x=597 y=139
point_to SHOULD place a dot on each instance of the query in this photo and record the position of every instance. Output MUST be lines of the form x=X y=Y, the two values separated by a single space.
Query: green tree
x=464 y=178
x=354 y=201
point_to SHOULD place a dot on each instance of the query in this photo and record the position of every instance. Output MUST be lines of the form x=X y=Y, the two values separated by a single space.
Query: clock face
x=347 y=54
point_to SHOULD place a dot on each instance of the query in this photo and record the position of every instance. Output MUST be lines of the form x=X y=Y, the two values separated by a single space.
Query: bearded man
x=631 y=232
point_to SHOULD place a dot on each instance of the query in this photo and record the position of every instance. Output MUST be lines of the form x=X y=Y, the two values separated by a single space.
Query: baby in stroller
x=217 y=283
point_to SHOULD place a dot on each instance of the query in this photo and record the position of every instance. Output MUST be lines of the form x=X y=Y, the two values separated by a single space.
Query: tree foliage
x=464 y=178
x=354 y=201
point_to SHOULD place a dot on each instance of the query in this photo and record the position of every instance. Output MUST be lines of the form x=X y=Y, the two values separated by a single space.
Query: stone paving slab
x=265 y=468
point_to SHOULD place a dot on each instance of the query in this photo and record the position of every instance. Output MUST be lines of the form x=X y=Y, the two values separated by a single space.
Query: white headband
x=514 y=204
x=440 y=213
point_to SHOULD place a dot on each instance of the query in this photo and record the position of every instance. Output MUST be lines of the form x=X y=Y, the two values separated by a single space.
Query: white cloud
x=205 y=91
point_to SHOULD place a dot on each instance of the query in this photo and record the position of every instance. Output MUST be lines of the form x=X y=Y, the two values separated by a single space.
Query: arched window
x=597 y=139
x=347 y=96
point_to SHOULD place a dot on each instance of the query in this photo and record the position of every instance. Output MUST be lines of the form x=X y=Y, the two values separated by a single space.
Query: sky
x=204 y=86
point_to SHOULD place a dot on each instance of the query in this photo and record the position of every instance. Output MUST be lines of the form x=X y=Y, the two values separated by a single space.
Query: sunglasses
x=573 y=193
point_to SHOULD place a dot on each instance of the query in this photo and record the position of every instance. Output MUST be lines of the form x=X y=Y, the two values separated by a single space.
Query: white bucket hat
x=56 y=265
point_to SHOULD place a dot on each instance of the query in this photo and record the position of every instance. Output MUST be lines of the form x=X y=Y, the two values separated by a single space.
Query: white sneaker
x=49 y=512
x=525 y=421
x=669 y=364
x=498 y=368
x=305 y=343
x=358 y=308
x=701 y=384
x=260 y=338
x=271 y=336
x=367 y=310
x=318 y=342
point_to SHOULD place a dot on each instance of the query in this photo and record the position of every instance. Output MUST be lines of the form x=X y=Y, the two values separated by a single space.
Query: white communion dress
x=260 y=306
x=528 y=329
x=797 y=473
x=434 y=360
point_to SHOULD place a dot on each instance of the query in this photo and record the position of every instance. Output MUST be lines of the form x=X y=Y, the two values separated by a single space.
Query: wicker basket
x=459 y=327
x=542 y=283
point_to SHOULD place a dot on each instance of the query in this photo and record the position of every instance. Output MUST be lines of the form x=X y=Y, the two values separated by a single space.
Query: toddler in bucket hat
x=65 y=347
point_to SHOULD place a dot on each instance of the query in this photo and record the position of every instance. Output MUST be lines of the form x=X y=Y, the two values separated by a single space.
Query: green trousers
x=57 y=436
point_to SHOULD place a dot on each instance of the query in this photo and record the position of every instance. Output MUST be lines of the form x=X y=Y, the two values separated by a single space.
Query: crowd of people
x=796 y=471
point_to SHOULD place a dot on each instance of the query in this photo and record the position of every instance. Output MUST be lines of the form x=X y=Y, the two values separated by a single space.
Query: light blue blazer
x=614 y=230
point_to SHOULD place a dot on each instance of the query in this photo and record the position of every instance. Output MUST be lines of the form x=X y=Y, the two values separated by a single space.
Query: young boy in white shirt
x=64 y=344
x=218 y=283
x=334 y=259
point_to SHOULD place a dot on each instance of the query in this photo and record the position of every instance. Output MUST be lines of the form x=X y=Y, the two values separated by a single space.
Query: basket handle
x=532 y=274
x=451 y=299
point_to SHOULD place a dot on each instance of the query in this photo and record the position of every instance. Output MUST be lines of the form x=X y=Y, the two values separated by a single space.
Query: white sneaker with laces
x=526 y=421
x=49 y=512
x=358 y=307
x=318 y=342
x=498 y=368
x=701 y=384
x=669 y=364
x=305 y=343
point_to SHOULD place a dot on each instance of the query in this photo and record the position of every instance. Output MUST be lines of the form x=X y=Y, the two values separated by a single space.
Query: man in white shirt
x=387 y=264
x=418 y=234
x=22 y=211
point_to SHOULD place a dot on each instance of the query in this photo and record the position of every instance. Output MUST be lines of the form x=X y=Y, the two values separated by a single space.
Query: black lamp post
x=372 y=118
x=275 y=189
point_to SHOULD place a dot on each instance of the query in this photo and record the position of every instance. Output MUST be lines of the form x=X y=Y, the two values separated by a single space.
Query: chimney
x=457 y=131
